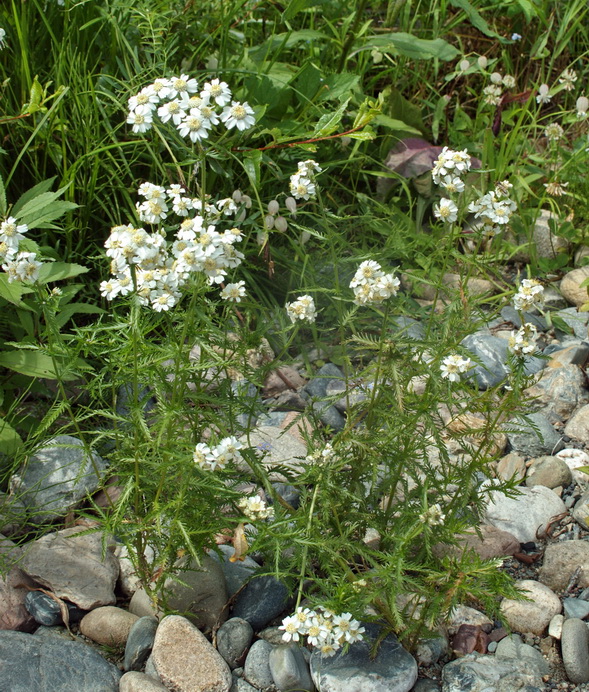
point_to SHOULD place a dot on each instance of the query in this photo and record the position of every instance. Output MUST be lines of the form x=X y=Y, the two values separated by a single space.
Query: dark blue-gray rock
x=289 y=669
x=479 y=673
x=407 y=328
x=246 y=404
x=431 y=650
x=140 y=643
x=576 y=321
x=274 y=418
x=559 y=391
x=257 y=665
x=236 y=573
x=533 y=436
x=40 y=664
x=233 y=639
x=575 y=608
x=513 y=647
x=574 y=645
x=329 y=415
x=262 y=599
x=57 y=477
x=426 y=685
x=125 y=398
x=317 y=387
x=393 y=669
x=510 y=314
x=47 y=610
x=287 y=492
x=491 y=355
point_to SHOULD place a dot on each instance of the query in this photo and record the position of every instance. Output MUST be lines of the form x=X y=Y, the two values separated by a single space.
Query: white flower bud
x=582 y=104
x=280 y=224
x=463 y=65
x=305 y=235
x=273 y=207
x=268 y=222
x=291 y=205
x=262 y=238
x=482 y=62
x=247 y=200
x=237 y=196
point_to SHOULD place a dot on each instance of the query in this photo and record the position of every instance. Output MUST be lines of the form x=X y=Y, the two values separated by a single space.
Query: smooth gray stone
x=393 y=669
x=240 y=685
x=510 y=314
x=287 y=492
x=480 y=673
x=236 y=573
x=233 y=638
x=317 y=387
x=429 y=651
x=262 y=599
x=289 y=669
x=46 y=610
x=513 y=647
x=578 y=321
x=426 y=685
x=125 y=398
x=140 y=642
x=491 y=353
x=329 y=415
x=574 y=645
x=44 y=664
x=523 y=436
x=57 y=477
x=272 y=418
x=575 y=608
x=407 y=328
x=257 y=666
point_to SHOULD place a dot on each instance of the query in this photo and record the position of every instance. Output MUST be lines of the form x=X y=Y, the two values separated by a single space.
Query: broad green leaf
x=584 y=469
x=27 y=196
x=363 y=135
x=336 y=86
x=10 y=440
x=294 y=7
x=329 y=122
x=56 y=271
x=251 y=163
x=2 y=198
x=475 y=18
x=37 y=204
x=74 y=309
x=43 y=217
x=410 y=46
x=286 y=40
x=394 y=124
x=13 y=292
x=37 y=364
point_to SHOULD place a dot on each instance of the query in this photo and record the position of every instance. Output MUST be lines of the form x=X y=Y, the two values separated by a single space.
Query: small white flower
x=171 y=111
x=182 y=86
x=556 y=189
x=203 y=457
x=217 y=91
x=554 y=132
x=446 y=210
x=523 y=342
x=568 y=79
x=290 y=625
x=452 y=367
x=254 y=508
x=234 y=292
x=303 y=309
x=452 y=184
x=516 y=37
x=493 y=94
x=141 y=122
x=433 y=516
x=543 y=95
x=24 y=267
x=239 y=115
x=194 y=126
x=529 y=295
x=11 y=232
x=508 y=81
x=301 y=187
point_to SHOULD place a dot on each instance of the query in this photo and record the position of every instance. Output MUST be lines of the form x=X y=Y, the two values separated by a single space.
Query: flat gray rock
x=263 y=599
x=577 y=321
x=140 y=642
x=559 y=391
x=479 y=673
x=533 y=436
x=393 y=669
x=257 y=665
x=289 y=669
x=513 y=647
x=41 y=664
x=317 y=387
x=574 y=644
x=233 y=638
x=57 y=477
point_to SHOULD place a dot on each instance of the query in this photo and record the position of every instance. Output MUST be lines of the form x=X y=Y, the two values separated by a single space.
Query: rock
x=581 y=510
x=477 y=434
x=129 y=580
x=43 y=664
x=125 y=400
x=276 y=448
x=513 y=647
x=575 y=320
x=533 y=615
x=273 y=635
x=13 y=613
x=550 y=472
x=71 y=564
x=575 y=353
x=233 y=639
x=289 y=669
x=186 y=661
x=140 y=642
x=570 y=286
x=561 y=560
x=574 y=645
x=47 y=611
x=289 y=401
x=13 y=514
x=57 y=477
x=526 y=516
x=328 y=415
x=533 y=436
x=240 y=685
x=236 y=573
x=465 y=615
x=559 y=391
x=491 y=354
x=407 y=328
x=481 y=673
x=198 y=592
x=297 y=425
x=281 y=379
x=574 y=458
x=142 y=605
x=426 y=685
x=474 y=286
x=246 y=404
x=139 y=682
x=511 y=465
x=317 y=387
x=392 y=669
x=109 y=626
x=578 y=425
x=431 y=650
x=491 y=543
x=555 y=626
x=575 y=608
x=510 y=314
x=469 y=638
x=263 y=599
x=257 y=665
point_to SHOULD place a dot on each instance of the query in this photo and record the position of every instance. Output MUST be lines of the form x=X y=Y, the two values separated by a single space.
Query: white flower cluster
x=568 y=79
x=523 y=342
x=2 y=37
x=433 y=516
x=303 y=309
x=302 y=183
x=494 y=91
x=20 y=266
x=161 y=269
x=529 y=295
x=323 y=629
x=212 y=458
x=554 y=132
x=193 y=112
x=449 y=166
x=452 y=367
x=254 y=507
x=321 y=456
x=495 y=209
x=371 y=285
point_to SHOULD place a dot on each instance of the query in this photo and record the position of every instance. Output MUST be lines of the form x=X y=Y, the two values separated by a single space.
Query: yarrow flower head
x=523 y=341
x=234 y=292
x=554 y=132
x=450 y=162
x=371 y=285
x=254 y=508
x=324 y=630
x=212 y=458
x=453 y=366
x=446 y=210
x=433 y=516
x=302 y=183
x=321 y=456
x=239 y=115
x=303 y=309
x=529 y=295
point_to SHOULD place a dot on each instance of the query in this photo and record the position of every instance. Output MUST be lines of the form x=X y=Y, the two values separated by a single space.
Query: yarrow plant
x=371 y=285
x=323 y=629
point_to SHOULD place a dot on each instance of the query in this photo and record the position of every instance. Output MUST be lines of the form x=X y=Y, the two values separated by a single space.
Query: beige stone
x=281 y=379
x=571 y=289
x=533 y=615
x=139 y=682
x=490 y=544
x=578 y=425
x=476 y=432
x=511 y=465
x=474 y=286
x=561 y=560
x=108 y=625
x=465 y=615
x=186 y=661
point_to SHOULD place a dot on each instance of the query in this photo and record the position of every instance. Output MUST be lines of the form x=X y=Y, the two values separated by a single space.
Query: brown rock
x=108 y=625
x=464 y=615
x=578 y=425
x=281 y=379
x=13 y=614
x=297 y=425
x=490 y=544
x=511 y=465
x=570 y=286
x=549 y=471
x=186 y=661
x=476 y=432
x=139 y=682
x=470 y=638
x=561 y=561
x=72 y=566
x=533 y=615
